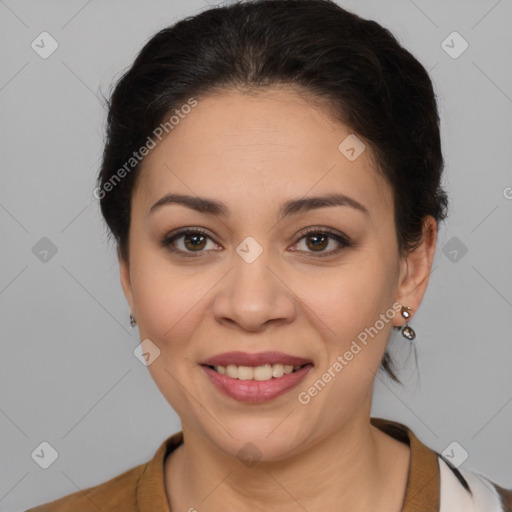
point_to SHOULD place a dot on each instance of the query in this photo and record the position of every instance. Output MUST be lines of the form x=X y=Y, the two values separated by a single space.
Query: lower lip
x=254 y=391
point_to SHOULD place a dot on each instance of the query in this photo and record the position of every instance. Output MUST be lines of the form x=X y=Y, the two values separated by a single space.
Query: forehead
x=266 y=146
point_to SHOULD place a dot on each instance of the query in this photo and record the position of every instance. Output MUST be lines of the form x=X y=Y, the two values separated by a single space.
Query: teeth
x=265 y=372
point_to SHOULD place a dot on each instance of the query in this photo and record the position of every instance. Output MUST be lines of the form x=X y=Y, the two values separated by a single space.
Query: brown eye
x=194 y=241
x=317 y=240
x=187 y=241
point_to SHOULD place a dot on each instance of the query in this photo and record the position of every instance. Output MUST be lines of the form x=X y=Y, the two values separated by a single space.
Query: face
x=308 y=280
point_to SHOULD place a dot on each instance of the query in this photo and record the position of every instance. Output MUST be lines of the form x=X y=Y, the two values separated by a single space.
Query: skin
x=253 y=153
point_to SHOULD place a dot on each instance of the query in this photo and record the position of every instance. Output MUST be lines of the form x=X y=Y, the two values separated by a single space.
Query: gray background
x=68 y=373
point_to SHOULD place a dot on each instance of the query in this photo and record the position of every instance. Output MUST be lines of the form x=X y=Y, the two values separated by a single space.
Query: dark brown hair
x=371 y=83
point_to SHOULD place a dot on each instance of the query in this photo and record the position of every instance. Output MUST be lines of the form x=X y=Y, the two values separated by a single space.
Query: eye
x=319 y=239
x=194 y=241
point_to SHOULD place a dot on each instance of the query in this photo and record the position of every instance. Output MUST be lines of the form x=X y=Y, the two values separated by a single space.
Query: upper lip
x=258 y=359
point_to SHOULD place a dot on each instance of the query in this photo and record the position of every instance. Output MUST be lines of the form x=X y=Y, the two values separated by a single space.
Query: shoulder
x=436 y=485
x=469 y=491
x=118 y=493
x=139 y=488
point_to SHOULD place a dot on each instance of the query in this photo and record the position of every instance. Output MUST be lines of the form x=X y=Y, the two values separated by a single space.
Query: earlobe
x=417 y=268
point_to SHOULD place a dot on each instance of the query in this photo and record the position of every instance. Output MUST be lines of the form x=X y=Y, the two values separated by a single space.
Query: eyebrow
x=291 y=207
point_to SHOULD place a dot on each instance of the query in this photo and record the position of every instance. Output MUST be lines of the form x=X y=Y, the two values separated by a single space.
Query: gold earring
x=406 y=330
x=133 y=322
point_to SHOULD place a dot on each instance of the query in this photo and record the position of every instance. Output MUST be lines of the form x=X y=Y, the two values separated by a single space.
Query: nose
x=254 y=295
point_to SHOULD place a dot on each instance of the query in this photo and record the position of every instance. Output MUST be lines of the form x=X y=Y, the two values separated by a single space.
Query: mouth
x=260 y=366
x=256 y=384
x=264 y=372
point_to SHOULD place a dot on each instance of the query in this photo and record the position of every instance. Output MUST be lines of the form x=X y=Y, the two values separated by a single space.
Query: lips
x=257 y=359
x=254 y=391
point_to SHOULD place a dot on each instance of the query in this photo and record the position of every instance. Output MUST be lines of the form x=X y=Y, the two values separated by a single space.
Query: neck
x=357 y=467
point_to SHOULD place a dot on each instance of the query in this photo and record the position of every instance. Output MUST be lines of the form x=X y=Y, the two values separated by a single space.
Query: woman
x=272 y=179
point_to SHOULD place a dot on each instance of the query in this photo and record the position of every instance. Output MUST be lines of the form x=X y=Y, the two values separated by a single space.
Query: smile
x=256 y=384
x=261 y=373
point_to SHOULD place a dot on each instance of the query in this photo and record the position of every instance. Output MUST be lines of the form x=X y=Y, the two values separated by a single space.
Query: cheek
x=167 y=302
x=356 y=338
x=351 y=307
x=355 y=298
x=169 y=310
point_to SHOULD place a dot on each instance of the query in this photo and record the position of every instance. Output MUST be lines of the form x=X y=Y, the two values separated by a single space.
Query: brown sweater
x=142 y=489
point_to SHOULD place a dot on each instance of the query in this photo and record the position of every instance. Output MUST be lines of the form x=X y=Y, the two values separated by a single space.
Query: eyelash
x=171 y=237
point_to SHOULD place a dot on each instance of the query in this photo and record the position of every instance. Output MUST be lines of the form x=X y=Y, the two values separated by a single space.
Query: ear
x=416 y=268
x=124 y=271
